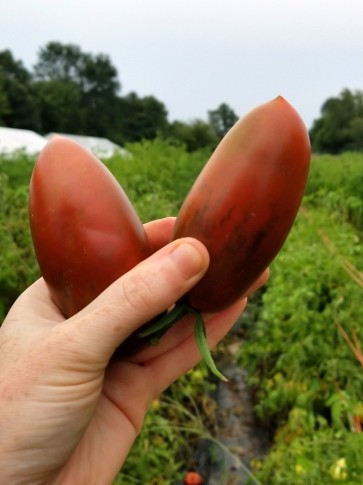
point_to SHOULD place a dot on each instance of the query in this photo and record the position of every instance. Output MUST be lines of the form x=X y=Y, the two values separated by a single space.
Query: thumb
x=138 y=296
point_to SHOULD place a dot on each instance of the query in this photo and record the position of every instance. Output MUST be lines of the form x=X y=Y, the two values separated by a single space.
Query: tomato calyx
x=155 y=331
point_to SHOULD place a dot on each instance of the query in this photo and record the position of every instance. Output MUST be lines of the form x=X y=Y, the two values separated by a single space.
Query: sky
x=194 y=55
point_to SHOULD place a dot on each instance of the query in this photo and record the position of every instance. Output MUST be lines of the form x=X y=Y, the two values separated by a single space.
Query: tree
x=86 y=84
x=340 y=126
x=66 y=62
x=59 y=62
x=18 y=103
x=100 y=88
x=195 y=135
x=60 y=107
x=140 y=118
x=3 y=102
x=222 y=119
x=356 y=133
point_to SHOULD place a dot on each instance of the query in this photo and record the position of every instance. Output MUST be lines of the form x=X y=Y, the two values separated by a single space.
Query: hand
x=67 y=414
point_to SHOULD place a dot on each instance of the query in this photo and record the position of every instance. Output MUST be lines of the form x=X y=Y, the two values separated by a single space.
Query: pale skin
x=69 y=416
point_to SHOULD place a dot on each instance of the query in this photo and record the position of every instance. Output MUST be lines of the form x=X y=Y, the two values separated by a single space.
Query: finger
x=261 y=281
x=159 y=232
x=172 y=364
x=138 y=296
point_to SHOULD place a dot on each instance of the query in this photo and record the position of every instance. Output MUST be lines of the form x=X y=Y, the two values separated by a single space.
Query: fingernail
x=189 y=259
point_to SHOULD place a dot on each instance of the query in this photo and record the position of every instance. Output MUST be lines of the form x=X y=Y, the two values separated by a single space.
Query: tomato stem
x=155 y=331
x=158 y=328
x=201 y=339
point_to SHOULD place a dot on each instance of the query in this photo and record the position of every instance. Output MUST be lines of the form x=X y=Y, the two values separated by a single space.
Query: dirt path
x=239 y=438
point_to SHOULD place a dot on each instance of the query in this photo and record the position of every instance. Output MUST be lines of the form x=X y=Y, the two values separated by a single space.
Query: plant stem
x=157 y=330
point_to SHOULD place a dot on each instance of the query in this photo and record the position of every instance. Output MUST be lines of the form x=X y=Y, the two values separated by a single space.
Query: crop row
x=303 y=353
x=307 y=380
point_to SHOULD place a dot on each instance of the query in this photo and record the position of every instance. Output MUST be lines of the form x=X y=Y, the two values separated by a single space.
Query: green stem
x=155 y=331
x=201 y=339
x=166 y=321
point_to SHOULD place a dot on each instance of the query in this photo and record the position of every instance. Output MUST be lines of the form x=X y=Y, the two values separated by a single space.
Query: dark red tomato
x=85 y=231
x=244 y=203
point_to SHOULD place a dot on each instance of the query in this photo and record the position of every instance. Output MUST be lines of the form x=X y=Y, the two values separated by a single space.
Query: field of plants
x=303 y=341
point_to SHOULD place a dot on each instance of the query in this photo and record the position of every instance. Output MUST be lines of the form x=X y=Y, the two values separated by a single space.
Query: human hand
x=67 y=414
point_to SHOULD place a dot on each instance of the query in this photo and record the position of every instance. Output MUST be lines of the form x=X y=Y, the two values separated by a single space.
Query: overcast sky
x=195 y=54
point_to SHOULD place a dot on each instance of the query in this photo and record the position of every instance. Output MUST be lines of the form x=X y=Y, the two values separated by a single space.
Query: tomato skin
x=244 y=202
x=85 y=231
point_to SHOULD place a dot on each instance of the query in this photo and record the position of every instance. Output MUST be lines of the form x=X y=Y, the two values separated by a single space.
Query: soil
x=239 y=439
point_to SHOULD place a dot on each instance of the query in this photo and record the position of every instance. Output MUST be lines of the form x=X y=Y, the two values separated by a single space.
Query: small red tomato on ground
x=85 y=231
x=193 y=478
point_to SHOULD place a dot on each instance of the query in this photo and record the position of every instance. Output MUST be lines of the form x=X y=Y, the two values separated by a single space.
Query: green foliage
x=306 y=380
x=18 y=267
x=71 y=91
x=157 y=176
x=18 y=101
x=139 y=118
x=67 y=62
x=163 y=451
x=77 y=91
x=222 y=119
x=57 y=99
x=336 y=183
x=194 y=135
x=3 y=102
x=18 y=168
x=327 y=457
x=340 y=126
x=201 y=134
x=296 y=345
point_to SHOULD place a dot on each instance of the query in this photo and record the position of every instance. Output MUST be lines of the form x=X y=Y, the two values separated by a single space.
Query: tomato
x=244 y=202
x=193 y=478
x=241 y=207
x=85 y=231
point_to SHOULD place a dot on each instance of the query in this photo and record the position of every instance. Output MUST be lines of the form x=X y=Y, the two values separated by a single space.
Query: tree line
x=71 y=91
x=340 y=126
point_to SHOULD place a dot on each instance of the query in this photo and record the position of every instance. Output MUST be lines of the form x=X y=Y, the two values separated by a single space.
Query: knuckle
x=138 y=292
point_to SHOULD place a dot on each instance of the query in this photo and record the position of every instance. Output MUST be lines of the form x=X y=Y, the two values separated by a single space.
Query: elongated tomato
x=84 y=229
x=244 y=202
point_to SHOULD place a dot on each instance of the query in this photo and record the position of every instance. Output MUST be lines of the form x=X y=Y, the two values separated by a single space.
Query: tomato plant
x=84 y=229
